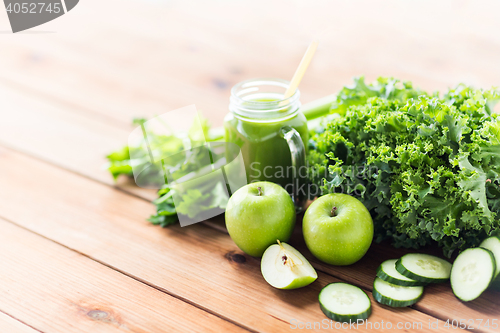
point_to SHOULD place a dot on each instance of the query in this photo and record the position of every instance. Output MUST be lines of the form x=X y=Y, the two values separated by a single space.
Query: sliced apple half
x=283 y=267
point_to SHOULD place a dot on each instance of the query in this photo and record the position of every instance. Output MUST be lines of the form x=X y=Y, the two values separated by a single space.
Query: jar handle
x=298 y=154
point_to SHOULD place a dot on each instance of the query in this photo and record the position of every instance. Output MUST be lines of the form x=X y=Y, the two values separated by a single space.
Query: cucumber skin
x=393 y=303
x=401 y=269
x=495 y=284
x=492 y=281
x=346 y=318
x=381 y=274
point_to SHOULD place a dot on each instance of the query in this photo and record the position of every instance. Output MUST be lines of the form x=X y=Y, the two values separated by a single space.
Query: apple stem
x=260 y=191
x=333 y=213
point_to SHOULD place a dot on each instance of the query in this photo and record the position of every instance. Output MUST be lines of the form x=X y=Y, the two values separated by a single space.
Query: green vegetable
x=426 y=167
x=165 y=208
x=424 y=268
x=493 y=244
x=194 y=201
x=472 y=273
x=396 y=296
x=344 y=302
x=387 y=272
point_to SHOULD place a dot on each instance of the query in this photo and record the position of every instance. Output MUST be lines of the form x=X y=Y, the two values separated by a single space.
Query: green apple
x=338 y=229
x=284 y=267
x=257 y=215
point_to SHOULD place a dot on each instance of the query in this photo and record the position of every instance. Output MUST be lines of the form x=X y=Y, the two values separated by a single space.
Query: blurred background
x=118 y=59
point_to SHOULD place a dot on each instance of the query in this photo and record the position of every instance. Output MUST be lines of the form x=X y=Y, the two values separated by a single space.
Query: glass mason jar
x=271 y=132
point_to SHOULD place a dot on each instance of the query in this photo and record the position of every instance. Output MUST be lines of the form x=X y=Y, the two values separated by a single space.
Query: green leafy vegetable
x=427 y=167
x=165 y=208
x=193 y=201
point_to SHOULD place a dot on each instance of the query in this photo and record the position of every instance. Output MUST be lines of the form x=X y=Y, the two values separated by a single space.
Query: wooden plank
x=182 y=56
x=75 y=129
x=55 y=289
x=67 y=139
x=84 y=96
x=363 y=273
x=175 y=73
x=196 y=263
x=100 y=68
x=11 y=325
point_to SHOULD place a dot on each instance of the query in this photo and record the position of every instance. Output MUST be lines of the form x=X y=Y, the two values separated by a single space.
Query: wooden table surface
x=76 y=252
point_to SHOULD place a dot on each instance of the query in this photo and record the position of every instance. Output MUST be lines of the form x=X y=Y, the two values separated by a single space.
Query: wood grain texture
x=198 y=263
x=151 y=57
x=68 y=139
x=68 y=98
x=11 y=325
x=486 y=307
x=475 y=313
x=75 y=128
x=55 y=289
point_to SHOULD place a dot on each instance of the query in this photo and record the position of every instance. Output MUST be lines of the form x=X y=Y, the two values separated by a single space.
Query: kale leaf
x=427 y=167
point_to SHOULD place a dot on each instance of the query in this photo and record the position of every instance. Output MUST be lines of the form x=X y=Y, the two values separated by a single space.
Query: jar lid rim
x=236 y=91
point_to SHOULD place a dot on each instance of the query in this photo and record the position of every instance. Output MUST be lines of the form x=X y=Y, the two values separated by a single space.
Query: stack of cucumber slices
x=401 y=282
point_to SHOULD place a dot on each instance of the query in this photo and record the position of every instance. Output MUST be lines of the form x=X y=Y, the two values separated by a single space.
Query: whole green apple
x=338 y=229
x=257 y=215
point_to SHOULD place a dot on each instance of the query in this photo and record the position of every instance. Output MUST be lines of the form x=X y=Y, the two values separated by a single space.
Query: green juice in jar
x=271 y=132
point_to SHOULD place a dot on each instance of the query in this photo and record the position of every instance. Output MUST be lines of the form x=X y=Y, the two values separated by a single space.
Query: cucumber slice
x=344 y=302
x=387 y=272
x=424 y=267
x=493 y=244
x=396 y=296
x=472 y=273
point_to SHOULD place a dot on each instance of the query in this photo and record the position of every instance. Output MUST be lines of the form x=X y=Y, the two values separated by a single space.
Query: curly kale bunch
x=426 y=167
